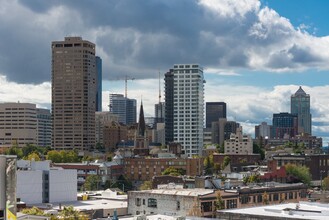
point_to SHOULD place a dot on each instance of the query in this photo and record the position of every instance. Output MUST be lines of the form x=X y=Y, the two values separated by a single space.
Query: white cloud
x=39 y=94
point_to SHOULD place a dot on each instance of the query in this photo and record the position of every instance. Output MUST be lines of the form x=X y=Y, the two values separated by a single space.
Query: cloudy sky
x=255 y=53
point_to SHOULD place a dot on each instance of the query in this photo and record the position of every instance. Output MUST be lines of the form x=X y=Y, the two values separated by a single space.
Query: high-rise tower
x=124 y=107
x=214 y=111
x=184 y=86
x=73 y=94
x=300 y=105
x=99 y=84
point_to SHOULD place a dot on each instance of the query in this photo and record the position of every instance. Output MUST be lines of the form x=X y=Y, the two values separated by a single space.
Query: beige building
x=18 y=124
x=103 y=119
x=238 y=143
x=73 y=93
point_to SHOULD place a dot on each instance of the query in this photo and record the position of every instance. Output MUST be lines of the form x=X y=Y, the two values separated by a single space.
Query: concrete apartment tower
x=300 y=105
x=184 y=89
x=74 y=81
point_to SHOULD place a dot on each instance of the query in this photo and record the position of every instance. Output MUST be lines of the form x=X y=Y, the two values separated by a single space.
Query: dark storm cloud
x=138 y=38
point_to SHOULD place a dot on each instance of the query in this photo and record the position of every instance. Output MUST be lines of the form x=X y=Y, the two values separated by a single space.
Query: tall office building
x=214 y=111
x=284 y=125
x=18 y=124
x=300 y=105
x=99 y=84
x=159 y=110
x=169 y=106
x=263 y=131
x=74 y=80
x=124 y=107
x=43 y=127
x=184 y=89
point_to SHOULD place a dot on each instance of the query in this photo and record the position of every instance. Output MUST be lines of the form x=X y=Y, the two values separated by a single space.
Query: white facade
x=30 y=186
x=189 y=107
x=62 y=185
x=38 y=183
x=238 y=143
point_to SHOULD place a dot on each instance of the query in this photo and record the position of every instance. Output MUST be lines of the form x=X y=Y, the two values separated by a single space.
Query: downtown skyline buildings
x=184 y=104
x=74 y=87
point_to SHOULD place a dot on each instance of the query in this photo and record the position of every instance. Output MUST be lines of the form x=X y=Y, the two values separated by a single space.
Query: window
x=231 y=203
x=245 y=199
x=138 y=201
x=206 y=206
x=152 y=203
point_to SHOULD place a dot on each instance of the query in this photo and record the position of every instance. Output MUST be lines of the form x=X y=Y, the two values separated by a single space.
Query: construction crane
x=126 y=84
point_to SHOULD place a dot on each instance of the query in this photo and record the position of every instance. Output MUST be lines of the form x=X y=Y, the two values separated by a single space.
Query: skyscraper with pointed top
x=141 y=142
x=300 y=105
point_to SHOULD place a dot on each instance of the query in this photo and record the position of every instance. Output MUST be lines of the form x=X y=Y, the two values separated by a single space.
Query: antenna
x=159 y=89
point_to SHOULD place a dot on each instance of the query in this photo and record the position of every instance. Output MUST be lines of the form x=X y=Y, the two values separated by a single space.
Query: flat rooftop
x=90 y=204
x=306 y=210
x=180 y=192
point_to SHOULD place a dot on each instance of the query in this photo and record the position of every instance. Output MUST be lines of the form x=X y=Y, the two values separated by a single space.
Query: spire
x=141 y=122
x=300 y=92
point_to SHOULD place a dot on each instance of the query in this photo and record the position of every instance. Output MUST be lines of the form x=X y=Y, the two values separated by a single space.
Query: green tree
x=71 y=157
x=123 y=183
x=298 y=174
x=325 y=183
x=54 y=156
x=92 y=182
x=220 y=148
x=33 y=156
x=146 y=185
x=258 y=150
x=28 y=149
x=70 y=213
x=226 y=161
x=15 y=150
x=174 y=171
x=208 y=164
x=34 y=211
x=254 y=178
x=219 y=203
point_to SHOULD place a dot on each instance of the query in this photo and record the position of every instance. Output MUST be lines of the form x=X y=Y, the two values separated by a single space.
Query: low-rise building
x=238 y=143
x=37 y=182
x=82 y=169
x=144 y=168
x=301 y=210
x=174 y=202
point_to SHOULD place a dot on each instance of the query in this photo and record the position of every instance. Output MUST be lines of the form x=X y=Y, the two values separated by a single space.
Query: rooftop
x=301 y=210
x=180 y=192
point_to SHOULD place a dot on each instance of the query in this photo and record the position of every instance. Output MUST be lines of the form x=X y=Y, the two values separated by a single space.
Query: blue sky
x=253 y=51
x=311 y=13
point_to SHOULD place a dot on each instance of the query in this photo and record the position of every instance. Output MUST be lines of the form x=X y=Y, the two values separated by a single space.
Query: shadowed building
x=285 y=125
x=214 y=111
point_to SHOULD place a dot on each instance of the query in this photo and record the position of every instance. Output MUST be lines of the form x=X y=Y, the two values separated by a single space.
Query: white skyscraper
x=188 y=107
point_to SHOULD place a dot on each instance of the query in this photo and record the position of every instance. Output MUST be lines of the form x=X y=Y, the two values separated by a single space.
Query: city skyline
x=271 y=51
